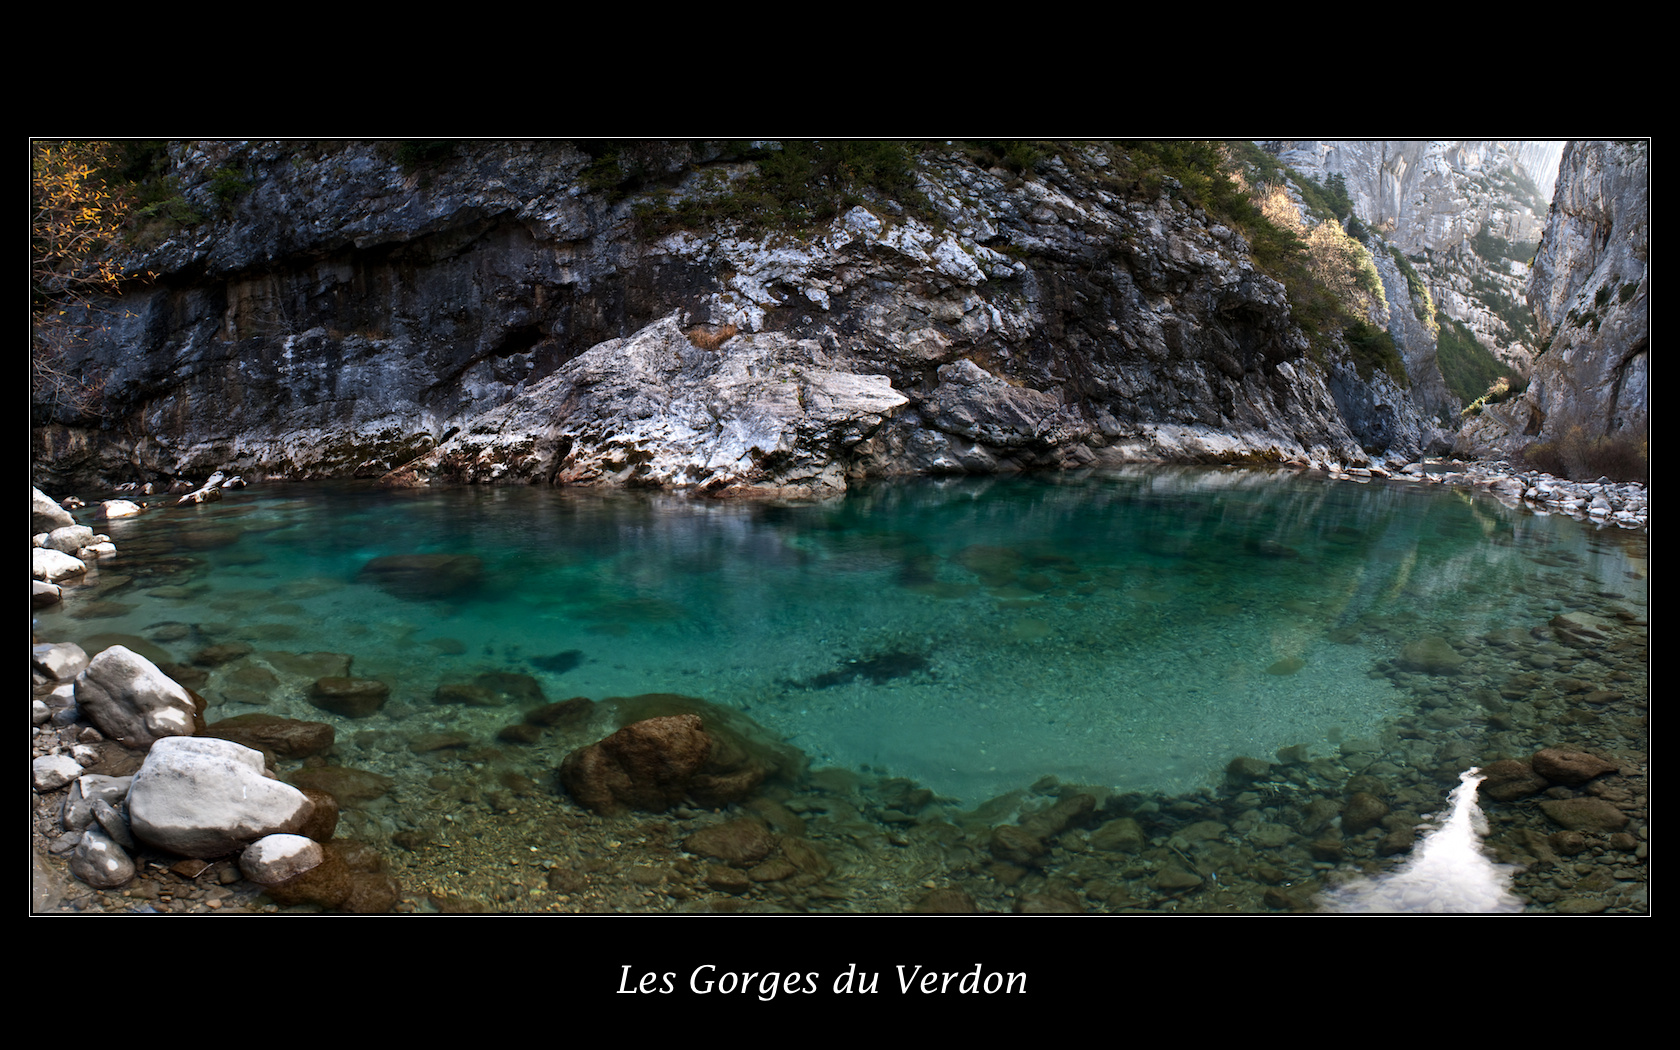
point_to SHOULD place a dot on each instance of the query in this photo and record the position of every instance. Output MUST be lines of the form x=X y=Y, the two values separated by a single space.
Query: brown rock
x=561 y=713
x=773 y=870
x=739 y=843
x=520 y=733
x=467 y=693
x=949 y=901
x=1362 y=813
x=1016 y=844
x=647 y=765
x=1122 y=834
x=1175 y=878
x=285 y=737
x=1243 y=768
x=421 y=743
x=323 y=819
x=805 y=856
x=1509 y=779
x=1568 y=843
x=423 y=575
x=1569 y=767
x=1432 y=655
x=515 y=687
x=350 y=697
x=343 y=783
x=1398 y=841
x=1584 y=814
x=216 y=655
x=1067 y=812
x=337 y=884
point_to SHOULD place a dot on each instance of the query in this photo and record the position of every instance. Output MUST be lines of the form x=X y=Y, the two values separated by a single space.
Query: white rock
x=59 y=661
x=56 y=566
x=276 y=858
x=128 y=698
x=51 y=772
x=45 y=514
x=69 y=538
x=100 y=862
x=202 y=797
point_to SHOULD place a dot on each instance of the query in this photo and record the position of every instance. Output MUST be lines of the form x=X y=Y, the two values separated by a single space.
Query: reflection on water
x=1135 y=631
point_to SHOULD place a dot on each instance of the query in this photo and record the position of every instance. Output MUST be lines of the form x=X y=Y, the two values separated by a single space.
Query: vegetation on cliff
x=77 y=214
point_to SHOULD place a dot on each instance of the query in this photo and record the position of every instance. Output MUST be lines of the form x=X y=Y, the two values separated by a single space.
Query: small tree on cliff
x=75 y=219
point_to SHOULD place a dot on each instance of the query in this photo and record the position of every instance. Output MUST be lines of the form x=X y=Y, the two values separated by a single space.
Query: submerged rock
x=1432 y=655
x=424 y=575
x=1569 y=767
x=350 y=697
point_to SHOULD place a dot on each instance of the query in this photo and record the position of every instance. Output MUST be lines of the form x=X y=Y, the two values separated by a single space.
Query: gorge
x=970 y=399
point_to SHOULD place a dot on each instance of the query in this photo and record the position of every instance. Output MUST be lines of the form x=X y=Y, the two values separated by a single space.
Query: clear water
x=1135 y=629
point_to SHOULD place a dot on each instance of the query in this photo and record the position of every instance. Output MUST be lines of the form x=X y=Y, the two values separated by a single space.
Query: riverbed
x=949 y=655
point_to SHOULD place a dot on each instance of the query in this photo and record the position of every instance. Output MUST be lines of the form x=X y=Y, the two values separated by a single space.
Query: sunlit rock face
x=1467 y=214
x=1590 y=292
x=1430 y=194
x=495 y=316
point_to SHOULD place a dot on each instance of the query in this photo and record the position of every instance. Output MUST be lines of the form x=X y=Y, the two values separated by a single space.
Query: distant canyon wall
x=1590 y=291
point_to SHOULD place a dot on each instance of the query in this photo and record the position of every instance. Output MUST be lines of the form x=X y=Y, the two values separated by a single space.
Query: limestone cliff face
x=497 y=316
x=1467 y=213
x=1590 y=292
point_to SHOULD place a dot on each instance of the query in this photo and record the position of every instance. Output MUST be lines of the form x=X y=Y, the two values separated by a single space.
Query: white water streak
x=1448 y=872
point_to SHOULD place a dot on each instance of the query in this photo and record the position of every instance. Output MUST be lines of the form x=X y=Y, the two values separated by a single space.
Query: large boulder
x=647 y=765
x=45 y=515
x=55 y=566
x=208 y=798
x=1562 y=766
x=131 y=701
x=69 y=538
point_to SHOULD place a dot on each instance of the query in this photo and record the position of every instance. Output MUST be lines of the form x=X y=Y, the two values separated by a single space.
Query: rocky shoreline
x=815 y=846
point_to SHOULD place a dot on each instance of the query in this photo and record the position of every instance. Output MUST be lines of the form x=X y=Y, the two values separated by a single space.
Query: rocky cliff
x=499 y=311
x=1590 y=292
x=1467 y=214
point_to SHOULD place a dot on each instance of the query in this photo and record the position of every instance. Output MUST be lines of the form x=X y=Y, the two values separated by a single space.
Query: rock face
x=1590 y=292
x=501 y=316
x=1466 y=215
x=658 y=410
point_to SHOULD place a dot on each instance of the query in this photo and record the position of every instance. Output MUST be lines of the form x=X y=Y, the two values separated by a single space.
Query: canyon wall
x=500 y=313
x=1590 y=292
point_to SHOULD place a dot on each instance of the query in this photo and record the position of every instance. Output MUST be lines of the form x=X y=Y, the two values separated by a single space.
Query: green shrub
x=797 y=184
x=417 y=154
x=1466 y=365
x=1374 y=348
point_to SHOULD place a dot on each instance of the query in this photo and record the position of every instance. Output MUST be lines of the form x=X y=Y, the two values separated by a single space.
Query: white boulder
x=130 y=700
x=202 y=797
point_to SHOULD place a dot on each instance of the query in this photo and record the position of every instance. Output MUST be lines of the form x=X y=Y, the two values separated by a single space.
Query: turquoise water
x=1137 y=629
